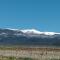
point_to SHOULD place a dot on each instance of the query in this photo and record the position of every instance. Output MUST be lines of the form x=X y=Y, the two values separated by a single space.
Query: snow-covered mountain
x=33 y=31
x=38 y=32
x=28 y=37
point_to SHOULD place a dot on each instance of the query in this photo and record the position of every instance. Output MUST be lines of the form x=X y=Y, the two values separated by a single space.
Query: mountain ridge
x=28 y=37
x=33 y=31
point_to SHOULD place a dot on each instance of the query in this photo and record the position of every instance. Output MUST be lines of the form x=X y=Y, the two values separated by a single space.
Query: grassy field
x=13 y=53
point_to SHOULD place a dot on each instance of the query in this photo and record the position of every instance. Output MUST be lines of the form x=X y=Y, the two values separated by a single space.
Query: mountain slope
x=28 y=37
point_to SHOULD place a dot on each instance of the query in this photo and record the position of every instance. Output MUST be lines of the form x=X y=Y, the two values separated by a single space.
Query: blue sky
x=43 y=15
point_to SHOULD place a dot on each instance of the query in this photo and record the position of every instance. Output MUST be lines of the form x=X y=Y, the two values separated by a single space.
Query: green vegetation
x=25 y=59
x=14 y=58
x=22 y=58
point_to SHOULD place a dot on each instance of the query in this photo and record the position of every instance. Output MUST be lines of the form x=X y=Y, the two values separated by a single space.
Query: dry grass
x=30 y=53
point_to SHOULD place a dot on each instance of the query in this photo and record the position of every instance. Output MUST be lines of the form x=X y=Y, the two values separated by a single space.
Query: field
x=29 y=53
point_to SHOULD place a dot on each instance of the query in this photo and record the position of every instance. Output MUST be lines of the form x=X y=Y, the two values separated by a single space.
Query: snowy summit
x=33 y=31
x=38 y=32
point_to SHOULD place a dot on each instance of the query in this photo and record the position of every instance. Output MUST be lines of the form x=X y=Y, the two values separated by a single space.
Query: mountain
x=28 y=37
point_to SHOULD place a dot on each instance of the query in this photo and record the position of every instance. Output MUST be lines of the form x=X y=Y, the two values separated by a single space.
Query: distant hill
x=28 y=37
